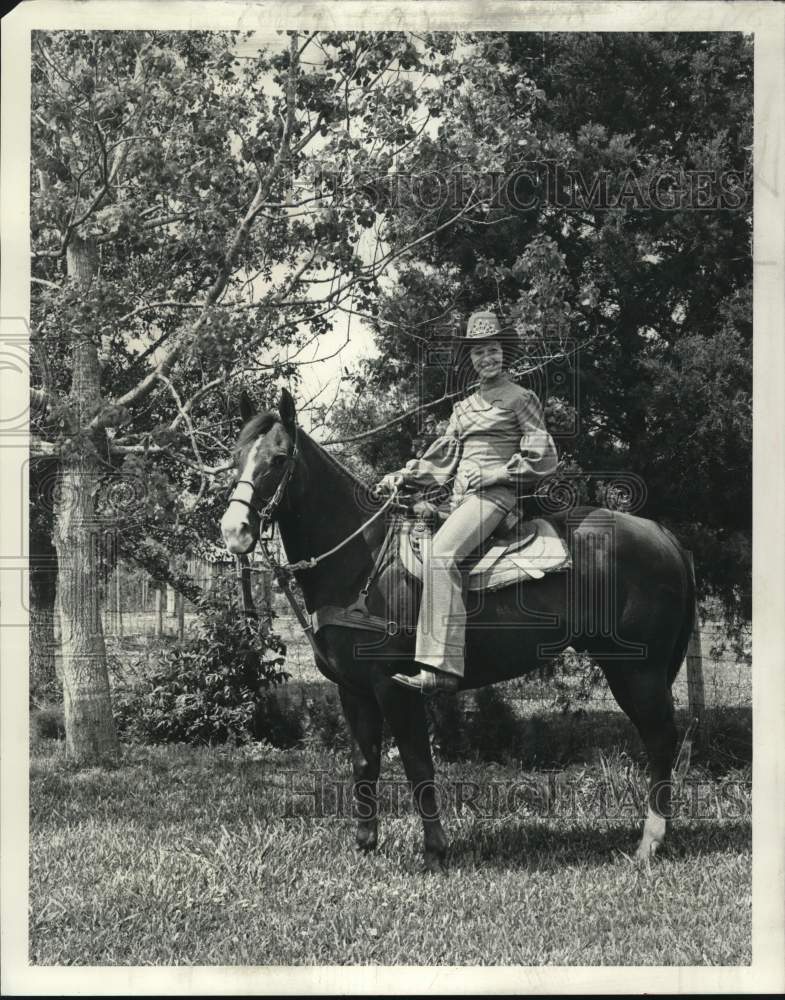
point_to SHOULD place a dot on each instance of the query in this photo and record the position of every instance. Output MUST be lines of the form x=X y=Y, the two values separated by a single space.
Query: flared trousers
x=441 y=624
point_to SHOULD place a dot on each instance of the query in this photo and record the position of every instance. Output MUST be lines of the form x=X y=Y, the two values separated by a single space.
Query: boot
x=428 y=682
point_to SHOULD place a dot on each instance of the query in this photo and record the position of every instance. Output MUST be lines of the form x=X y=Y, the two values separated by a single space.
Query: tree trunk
x=43 y=585
x=89 y=726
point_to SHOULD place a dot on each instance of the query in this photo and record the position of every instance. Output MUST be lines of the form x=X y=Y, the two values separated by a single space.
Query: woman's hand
x=389 y=483
x=481 y=479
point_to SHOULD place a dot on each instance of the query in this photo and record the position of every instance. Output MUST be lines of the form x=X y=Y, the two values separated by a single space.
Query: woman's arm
x=438 y=463
x=536 y=457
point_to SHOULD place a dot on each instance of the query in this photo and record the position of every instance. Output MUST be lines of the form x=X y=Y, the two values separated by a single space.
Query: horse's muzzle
x=237 y=534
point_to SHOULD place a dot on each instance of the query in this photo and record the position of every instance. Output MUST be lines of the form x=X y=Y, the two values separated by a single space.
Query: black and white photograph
x=390 y=596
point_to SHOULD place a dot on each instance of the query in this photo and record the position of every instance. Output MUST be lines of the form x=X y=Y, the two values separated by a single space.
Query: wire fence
x=725 y=665
x=137 y=611
x=574 y=683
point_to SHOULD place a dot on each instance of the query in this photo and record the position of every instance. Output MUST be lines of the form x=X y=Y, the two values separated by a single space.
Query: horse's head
x=264 y=461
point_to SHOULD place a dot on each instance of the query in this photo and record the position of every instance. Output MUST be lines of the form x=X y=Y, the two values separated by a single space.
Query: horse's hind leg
x=642 y=692
x=365 y=725
x=405 y=712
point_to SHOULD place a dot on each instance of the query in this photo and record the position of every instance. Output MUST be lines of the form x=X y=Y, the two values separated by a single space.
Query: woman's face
x=488 y=359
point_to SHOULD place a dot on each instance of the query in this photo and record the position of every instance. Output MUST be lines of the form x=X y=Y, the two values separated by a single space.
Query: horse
x=628 y=600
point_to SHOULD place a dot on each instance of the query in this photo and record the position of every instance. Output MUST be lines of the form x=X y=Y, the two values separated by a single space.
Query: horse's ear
x=247 y=409
x=287 y=410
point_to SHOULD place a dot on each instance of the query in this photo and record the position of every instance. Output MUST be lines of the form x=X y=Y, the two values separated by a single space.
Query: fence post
x=695 y=689
x=180 y=602
x=117 y=604
x=159 y=612
x=267 y=600
x=696 y=697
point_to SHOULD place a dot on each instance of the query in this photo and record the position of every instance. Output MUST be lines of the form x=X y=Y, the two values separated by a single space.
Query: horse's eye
x=277 y=460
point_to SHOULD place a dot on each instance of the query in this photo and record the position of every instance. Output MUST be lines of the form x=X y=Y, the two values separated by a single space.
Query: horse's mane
x=333 y=461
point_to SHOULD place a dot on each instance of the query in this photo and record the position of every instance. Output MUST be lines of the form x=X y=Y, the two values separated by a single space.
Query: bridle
x=267 y=513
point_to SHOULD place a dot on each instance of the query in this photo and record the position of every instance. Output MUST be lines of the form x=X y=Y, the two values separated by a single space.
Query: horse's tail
x=690 y=612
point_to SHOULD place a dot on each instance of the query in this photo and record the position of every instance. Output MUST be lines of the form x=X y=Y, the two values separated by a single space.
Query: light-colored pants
x=442 y=619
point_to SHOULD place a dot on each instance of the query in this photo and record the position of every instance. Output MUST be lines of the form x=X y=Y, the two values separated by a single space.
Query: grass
x=180 y=856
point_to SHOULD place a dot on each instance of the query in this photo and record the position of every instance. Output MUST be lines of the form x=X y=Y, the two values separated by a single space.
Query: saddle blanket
x=503 y=564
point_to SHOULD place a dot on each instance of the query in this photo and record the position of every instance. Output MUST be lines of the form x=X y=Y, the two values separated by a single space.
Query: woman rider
x=495 y=443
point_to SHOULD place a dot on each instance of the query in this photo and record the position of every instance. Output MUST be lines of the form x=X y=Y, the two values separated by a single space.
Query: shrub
x=277 y=720
x=494 y=728
x=327 y=729
x=47 y=722
x=207 y=689
x=449 y=726
x=576 y=680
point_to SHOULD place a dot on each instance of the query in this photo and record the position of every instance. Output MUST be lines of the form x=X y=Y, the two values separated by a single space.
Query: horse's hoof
x=436 y=864
x=366 y=840
x=647 y=851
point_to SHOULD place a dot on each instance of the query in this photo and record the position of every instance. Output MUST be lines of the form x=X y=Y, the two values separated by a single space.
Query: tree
x=191 y=214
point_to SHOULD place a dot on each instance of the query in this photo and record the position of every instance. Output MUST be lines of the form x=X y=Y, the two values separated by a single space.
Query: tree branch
x=86 y=215
x=145 y=387
x=43 y=449
x=151 y=224
x=39 y=397
x=48 y=254
x=163 y=304
x=192 y=433
x=48 y=284
x=183 y=414
x=117 y=448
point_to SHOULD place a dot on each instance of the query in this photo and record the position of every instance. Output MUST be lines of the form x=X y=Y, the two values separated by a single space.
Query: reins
x=315 y=560
x=283 y=571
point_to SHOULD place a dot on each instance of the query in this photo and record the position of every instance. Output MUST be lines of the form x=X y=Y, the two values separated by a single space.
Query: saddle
x=518 y=550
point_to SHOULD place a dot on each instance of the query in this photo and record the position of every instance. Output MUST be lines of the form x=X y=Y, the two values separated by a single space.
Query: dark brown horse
x=628 y=601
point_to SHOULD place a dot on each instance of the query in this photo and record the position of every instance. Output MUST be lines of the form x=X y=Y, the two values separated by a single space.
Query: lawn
x=182 y=856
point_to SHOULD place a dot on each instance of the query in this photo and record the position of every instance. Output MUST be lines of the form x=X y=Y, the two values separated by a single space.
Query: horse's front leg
x=405 y=712
x=365 y=721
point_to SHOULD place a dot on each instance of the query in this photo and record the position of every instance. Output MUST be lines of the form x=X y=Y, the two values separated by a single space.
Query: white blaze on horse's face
x=236 y=522
x=259 y=474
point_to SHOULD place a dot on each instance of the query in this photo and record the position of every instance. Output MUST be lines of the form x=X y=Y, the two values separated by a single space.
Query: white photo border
x=767 y=22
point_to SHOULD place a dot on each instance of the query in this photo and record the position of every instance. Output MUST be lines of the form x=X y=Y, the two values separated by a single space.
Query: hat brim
x=503 y=336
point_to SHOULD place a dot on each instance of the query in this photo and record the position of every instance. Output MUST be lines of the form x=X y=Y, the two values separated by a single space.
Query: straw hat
x=483 y=325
